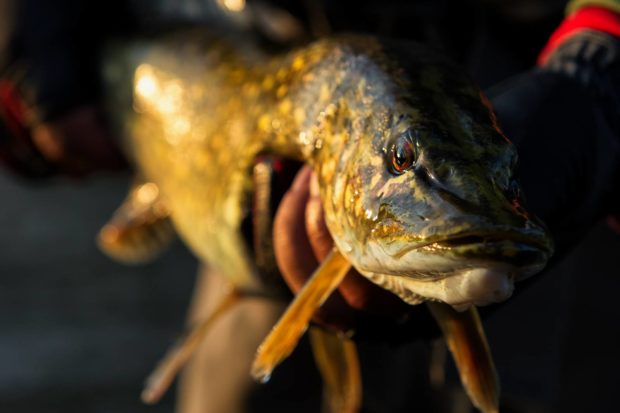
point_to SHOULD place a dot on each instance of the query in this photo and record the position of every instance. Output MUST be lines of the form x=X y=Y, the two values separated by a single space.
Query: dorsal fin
x=140 y=228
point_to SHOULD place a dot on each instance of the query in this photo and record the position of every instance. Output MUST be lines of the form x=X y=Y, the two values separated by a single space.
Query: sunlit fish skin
x=415 y=176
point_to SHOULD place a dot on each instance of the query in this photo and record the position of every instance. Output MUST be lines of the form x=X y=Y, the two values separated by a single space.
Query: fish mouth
x=491 y=239
x=516 y=249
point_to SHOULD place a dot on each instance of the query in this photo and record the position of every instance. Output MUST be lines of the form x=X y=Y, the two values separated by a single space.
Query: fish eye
x=402 y=153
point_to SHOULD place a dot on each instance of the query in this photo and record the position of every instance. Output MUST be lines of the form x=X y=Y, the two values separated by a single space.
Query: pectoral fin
x=162 y=377
x=467 y=342
x=337 y=360
x=262 y=215
x=140 y=228
x=286 y=333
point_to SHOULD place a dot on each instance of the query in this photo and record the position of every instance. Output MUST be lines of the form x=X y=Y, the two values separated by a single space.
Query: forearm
x=569 y=155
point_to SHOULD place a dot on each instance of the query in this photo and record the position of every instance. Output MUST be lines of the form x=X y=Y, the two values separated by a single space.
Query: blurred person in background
x=563 y=115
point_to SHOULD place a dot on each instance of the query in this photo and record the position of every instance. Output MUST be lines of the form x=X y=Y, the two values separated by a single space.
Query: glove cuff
x=587 y=18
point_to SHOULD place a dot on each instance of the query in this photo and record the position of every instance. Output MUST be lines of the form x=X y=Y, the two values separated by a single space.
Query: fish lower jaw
x=472 y=286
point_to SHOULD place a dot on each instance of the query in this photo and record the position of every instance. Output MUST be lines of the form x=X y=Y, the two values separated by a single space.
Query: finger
x=320 y=239
x=292 y=249
x=294 y=254
x=357 y=291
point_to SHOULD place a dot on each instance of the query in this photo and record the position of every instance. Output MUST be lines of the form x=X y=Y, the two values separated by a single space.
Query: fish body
x=416 y=179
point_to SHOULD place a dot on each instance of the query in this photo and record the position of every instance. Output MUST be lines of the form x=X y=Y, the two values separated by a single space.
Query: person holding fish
x=573 y=93
x=578 y=74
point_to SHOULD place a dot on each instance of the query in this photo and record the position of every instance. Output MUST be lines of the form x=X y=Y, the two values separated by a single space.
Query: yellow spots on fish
x=220 y=142
x=298 y=63
x=349 y=192
x=202 y=160
x=268 y=82
x=176 y=128
x=388 y=228
x=154 y=93
x=318 y=143
x=251 y=89
x=361 y=86
x=339 y=187
x=264 y=122
x=196 y=92
x=305 y=138
x=330 y=110
x=376 y=160
x=359 y=204
x=281 y=91
x=281 y=74
x=374 y=181
x=168 y=103
x=236 y=75
x=285 y=106
x=163 y=96
x=236 y=132
x=328 y=169
x=299 y=114
x=340 y=137
x=352 y=200
x=146 y=85
x=324 y=93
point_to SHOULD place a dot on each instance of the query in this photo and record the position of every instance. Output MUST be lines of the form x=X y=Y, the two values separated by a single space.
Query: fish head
x=424 y=198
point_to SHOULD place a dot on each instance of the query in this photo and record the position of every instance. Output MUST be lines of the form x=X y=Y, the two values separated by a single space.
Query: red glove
x=588 y=18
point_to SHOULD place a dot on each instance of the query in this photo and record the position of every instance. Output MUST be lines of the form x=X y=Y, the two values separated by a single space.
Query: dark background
x=79 y=332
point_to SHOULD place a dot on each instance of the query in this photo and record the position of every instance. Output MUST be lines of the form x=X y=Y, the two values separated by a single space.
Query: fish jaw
x=451 y=276
x=474 y=286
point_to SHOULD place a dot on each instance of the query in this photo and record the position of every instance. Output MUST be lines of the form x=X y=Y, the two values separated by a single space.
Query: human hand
x=302 y=240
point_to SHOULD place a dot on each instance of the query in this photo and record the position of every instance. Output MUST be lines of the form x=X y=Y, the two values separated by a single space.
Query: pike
x=416 y=180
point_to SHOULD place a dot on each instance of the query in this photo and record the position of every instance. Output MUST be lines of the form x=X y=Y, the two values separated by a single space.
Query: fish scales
x=202 y=115
x=206 y=107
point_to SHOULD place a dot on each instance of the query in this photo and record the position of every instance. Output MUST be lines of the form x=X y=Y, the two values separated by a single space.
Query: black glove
x=592 y=58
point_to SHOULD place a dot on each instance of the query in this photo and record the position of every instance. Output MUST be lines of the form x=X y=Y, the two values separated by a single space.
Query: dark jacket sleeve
x=49 y=66
x=49 y=49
